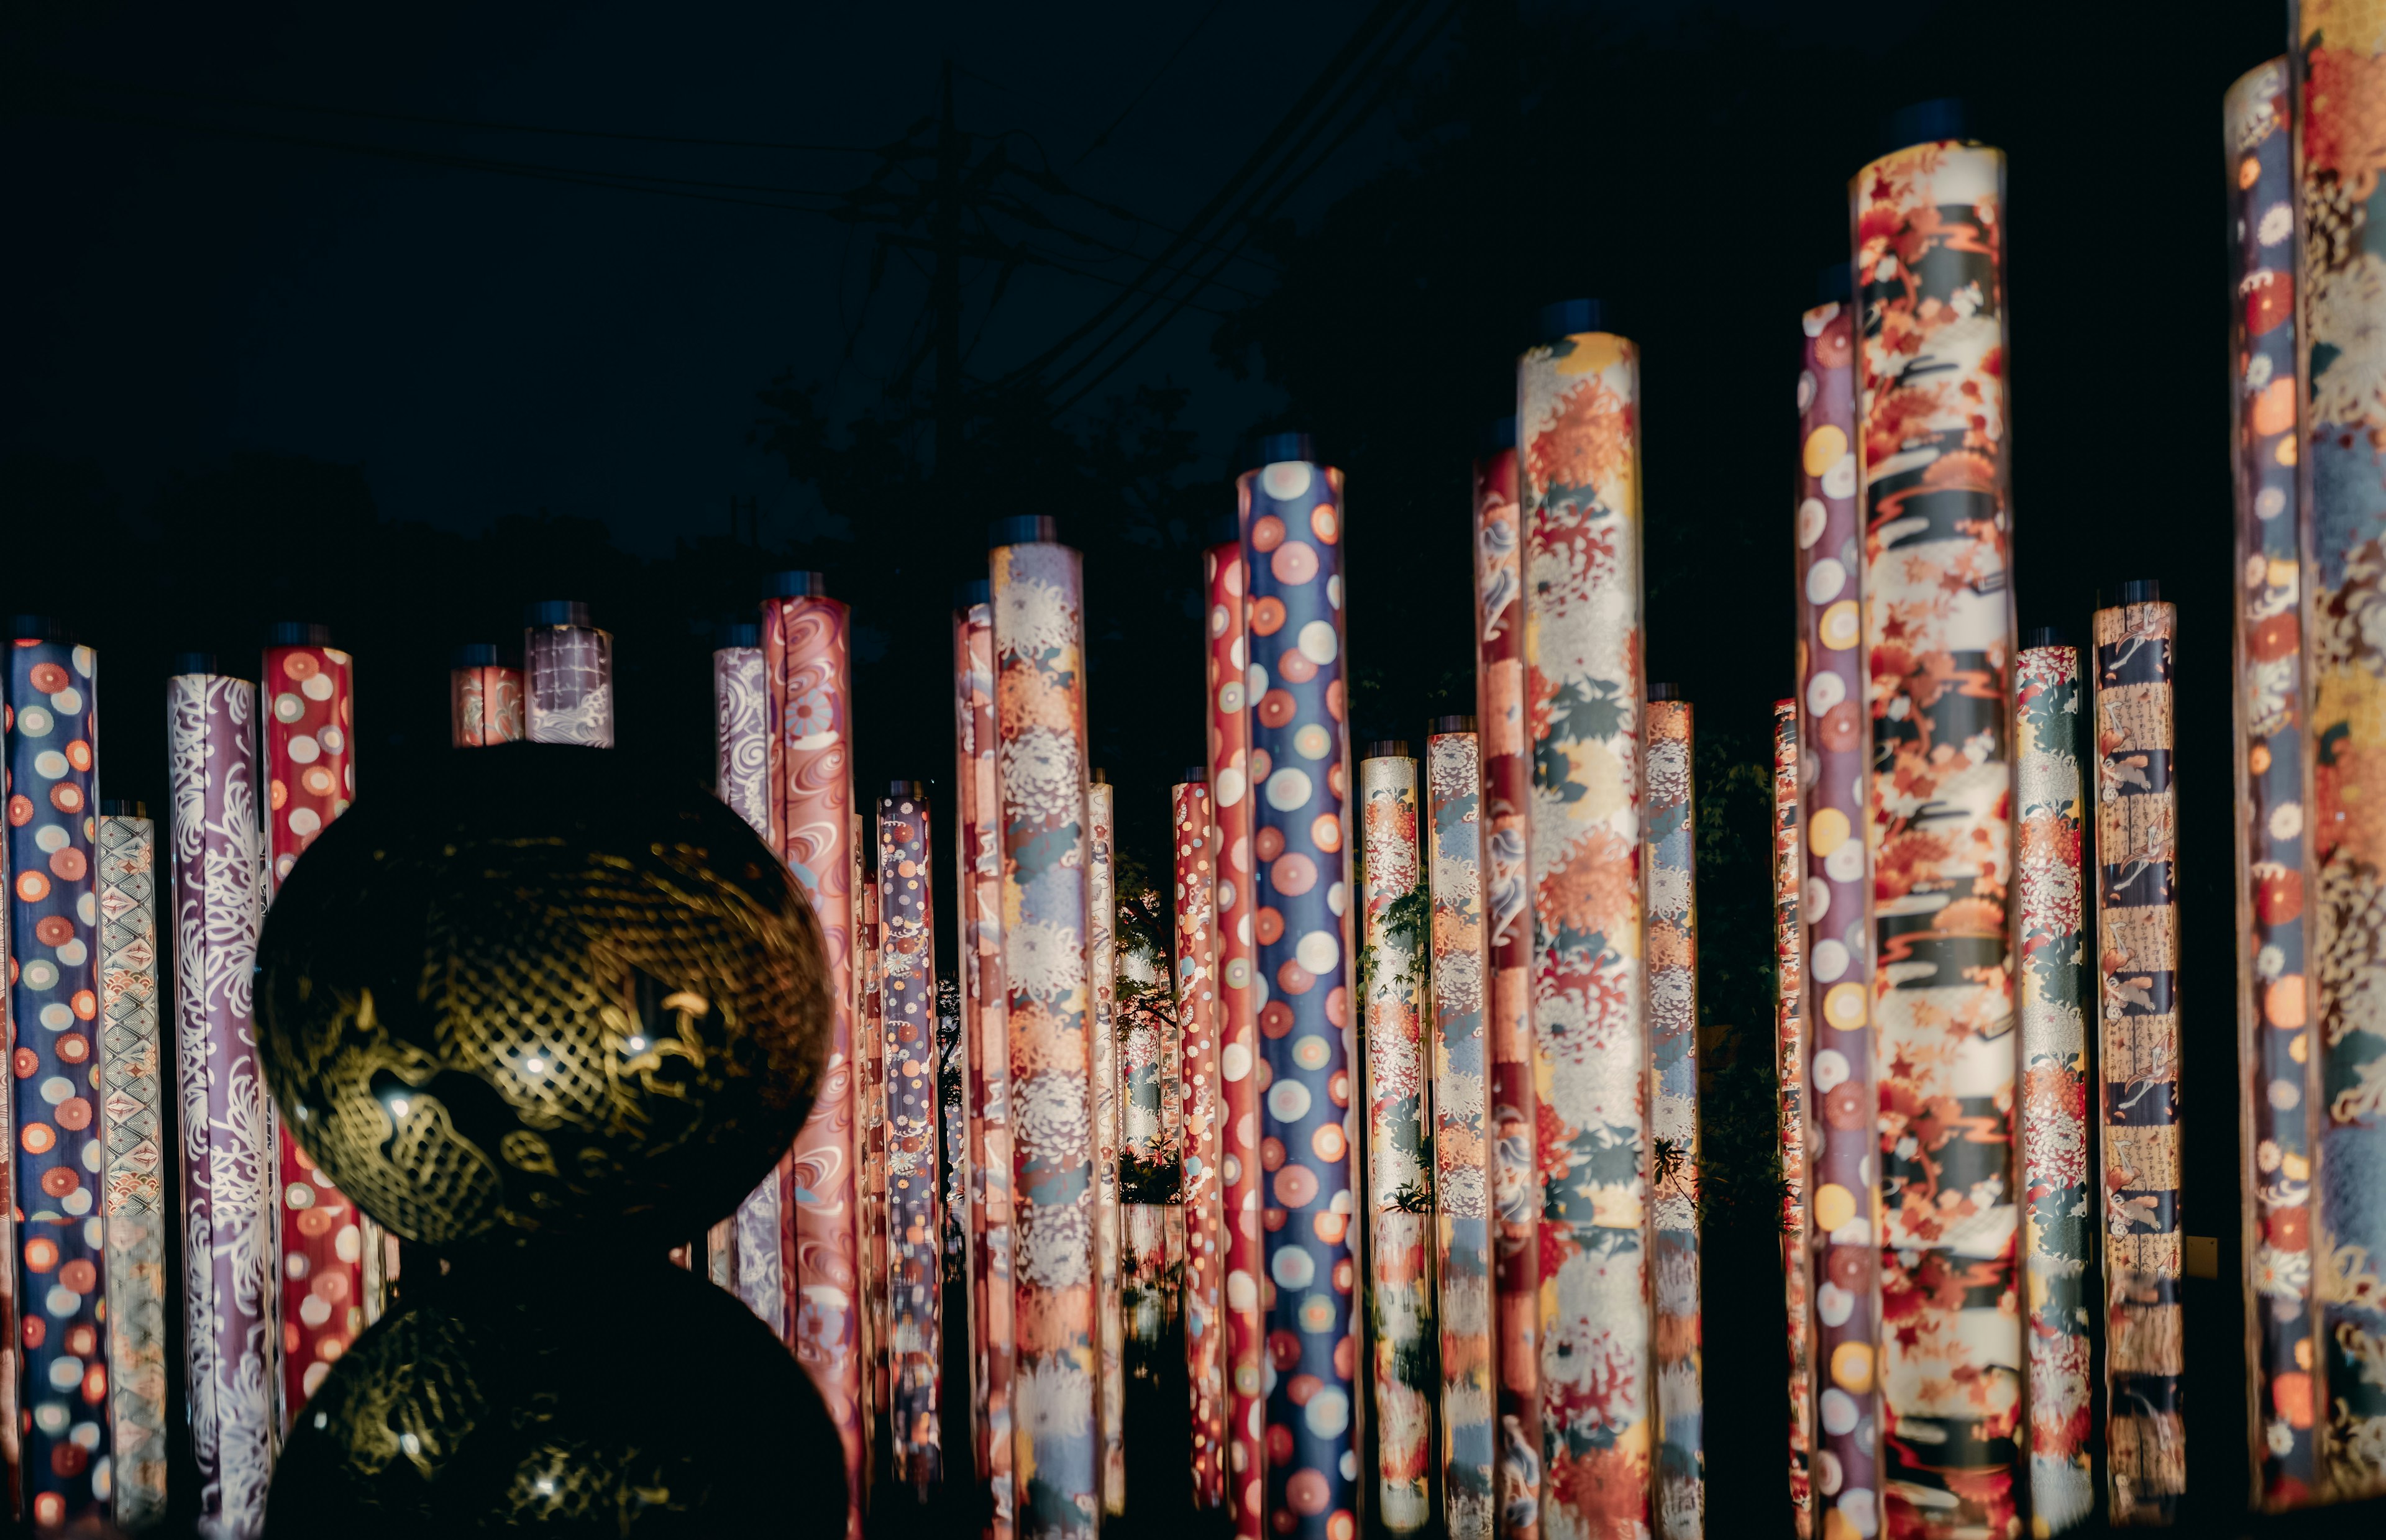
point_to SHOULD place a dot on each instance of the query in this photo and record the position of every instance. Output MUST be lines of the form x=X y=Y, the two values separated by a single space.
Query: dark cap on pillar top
x=37 y=628
x=558 y=612
x=1453 y=724
x=916 y=791
x=1196 y=775
x=2045 y=636
x=1567 y=318
x=1835 y=283
x=195 y=663
x=1224 y=529
x=794 y=586
x=1666 y=692
x=1925 y=123
x=298 y=633
x=736 y=633
x=1098 y=777
x=1265 y=449
x=1498 y=435
x=2136 y=591
x=1024 y=529
x=117 y=807
x=977 y=591
x=474 y=655
x=1387 y=748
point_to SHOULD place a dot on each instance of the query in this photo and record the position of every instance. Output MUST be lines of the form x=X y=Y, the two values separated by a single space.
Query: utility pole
x=953 y=154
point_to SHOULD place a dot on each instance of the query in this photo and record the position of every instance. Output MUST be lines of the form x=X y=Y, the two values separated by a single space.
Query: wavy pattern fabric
x=1101 y=962
x=805 y=647
x=1196 y=900
x=1040 y=719
x=226 y=1114
x=1835 y=917
x=907 y=972
x=1394 y=951
x=1293 y=527
x=133 y=1199
x=2136 y=928
x=1461 y=1157
x=568 y=685
x=1577 y=423
x=2054 y=1181
x=1670 y=928
x=485 y=706
x=1516 y=1195
x=1790 y=1071
x=1229 y=741
x=1939 y=638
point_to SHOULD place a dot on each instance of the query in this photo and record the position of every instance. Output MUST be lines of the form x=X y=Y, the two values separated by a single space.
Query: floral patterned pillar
x=1462 y=1159
x=1577 y=422
x=230 y=1341
x=2054 y=1076
x=568 y=676
x=1515 y=1198
x=2280 y=1093
x=1939 y=629
x=1671 y=936
x=1229 y=739
x=805 y=658
x=54 y=940
x=906 y=989
x=1102 y=962
x=132 y=1203
x=870 y=1137
x=1040 y=720
x=484 y=699
x=1195 y=898
x=1835 y=921
x=2137 y=930
x=977 y=866
x=1395 y=950
x=1789 y=1070
x=1292 y=510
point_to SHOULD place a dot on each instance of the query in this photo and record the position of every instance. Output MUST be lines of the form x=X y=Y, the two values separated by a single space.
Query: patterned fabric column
x=568 y=670
x=1101 y=963
x=133 y=1202
x=1789 y=1070
x=870 y=1136
x=1508 y=949
x=952 y=1091
x=1462 y=1159
x=2054 y=1077
x=310 y=778
x=1229 y=739
x=2343 y=435
x=907 y=971
x=1671 y=928
x=1940 y=634
x=1299 y=770
x=746 y=1257
x=2279 y=1095
x=484 y=699
x=1577 y=419
x=1040 y=720
x=61 y=1288
x=2137 y=927
x=1196 y=891
x=805 y=655
x=1395 y=949
x=230 y=1343
x=977 y=854
x=1835 y=919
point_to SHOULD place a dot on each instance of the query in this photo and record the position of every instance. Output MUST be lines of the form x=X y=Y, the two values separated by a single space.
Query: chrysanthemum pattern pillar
x=2054 y=1185
x=1577 y=423
x=1101 y=964
x=1292 y=547
x=1790 y=1071
x=1394 y=951
x=1671 y=929
x=906 y=989
x=1195 y=897
x=1939 y=630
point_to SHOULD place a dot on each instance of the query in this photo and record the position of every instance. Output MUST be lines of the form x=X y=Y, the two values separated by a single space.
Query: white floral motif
x=1043 y=959
x=1043 y=777
x=1032 y=618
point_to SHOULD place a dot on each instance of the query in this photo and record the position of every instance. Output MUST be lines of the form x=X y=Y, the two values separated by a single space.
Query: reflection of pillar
x=2282 y=1094
x=54 y=940
x=1835 y=920
x=1931 y=364
x=567 y=676
x=1461 y=1179
x=2137 y=932
x=1292 y=510
x=1195 y=898
x=1395 y=921
x=1578 y=403
x=977 y=864
x=1229 y=739
x=485 y=698
x=1040 y=722
x=805 y=657
x=1789 y=1072
x=744 y=1249
x=133 y=1199
x=1671 y=950
x=906 y=993
x=225 y=1112
x=1101 y=963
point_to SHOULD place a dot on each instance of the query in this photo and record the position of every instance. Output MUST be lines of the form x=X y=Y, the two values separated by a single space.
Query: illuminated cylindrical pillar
x=485 y=698
x=1101 y=963
x=1671 y=948
x=1229 y=740
x=1835 y=920
x=977 y=857
x=2137 y=933
x=1193 y=821
x=308 y=693
x=231 y=1343
x=53 y=939
x=567 y=676
x=1292 y=512
x=132 y=1198
x=1515 y=1201
x=1040 y=720
x=805 y=647
x=869 y=1134
x=2053 y=1132
x=1789 y=1070
x=2281 y=1088
x=1578 y=427
x=1939 y=634
x=907 y=991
